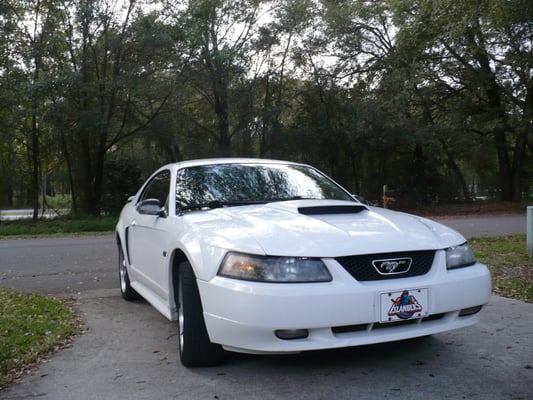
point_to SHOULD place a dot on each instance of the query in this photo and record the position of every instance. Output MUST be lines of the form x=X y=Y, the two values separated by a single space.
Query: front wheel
x=128 y=293
x=195 y=348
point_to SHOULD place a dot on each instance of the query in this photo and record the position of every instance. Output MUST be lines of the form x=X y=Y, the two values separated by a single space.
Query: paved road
x=498 y=225
x=129 y=350
x=59 y=265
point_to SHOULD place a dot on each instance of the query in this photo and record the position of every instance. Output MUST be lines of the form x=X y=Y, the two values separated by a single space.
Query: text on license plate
x=404 y=305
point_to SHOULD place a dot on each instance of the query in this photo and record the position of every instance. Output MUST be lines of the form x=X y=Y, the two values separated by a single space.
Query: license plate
x=404 y=305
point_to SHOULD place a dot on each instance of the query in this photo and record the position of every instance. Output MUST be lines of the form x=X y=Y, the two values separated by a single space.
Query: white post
x=530 y=231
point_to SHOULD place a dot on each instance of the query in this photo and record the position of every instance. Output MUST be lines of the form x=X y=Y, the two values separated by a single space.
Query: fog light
x=289 y=334
x=469 y=311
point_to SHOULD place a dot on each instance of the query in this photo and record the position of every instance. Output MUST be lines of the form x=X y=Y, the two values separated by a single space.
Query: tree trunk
x=34 y=190
x=496 y=111
x=68 y=160
x=450 y=160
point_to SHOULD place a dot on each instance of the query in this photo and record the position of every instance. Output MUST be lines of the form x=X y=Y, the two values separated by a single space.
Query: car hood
x=314 y=228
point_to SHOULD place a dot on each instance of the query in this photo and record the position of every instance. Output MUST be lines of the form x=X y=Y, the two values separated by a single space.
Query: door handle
x=133 y=223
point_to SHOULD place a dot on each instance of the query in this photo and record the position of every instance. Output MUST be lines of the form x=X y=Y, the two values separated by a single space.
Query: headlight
x=460 y=256
x=273 y=269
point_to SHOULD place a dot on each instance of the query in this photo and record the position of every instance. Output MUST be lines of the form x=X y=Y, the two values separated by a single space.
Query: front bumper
x=245 y=316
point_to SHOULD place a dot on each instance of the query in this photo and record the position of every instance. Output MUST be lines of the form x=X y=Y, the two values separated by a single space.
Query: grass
x=60 y=226
x=31 y=326
x=509 y=264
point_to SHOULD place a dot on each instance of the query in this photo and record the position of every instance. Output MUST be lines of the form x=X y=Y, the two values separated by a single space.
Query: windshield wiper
x=289 y=199
x=231 y=203
x=219 y=204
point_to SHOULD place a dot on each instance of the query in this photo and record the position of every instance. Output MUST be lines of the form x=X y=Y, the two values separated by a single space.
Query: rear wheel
x=128 y=293
x=195 y=348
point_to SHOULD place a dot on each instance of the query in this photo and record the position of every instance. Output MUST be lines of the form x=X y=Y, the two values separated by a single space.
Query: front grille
x=361 y=268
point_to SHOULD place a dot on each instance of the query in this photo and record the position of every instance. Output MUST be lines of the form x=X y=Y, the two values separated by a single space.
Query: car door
x=148 y=238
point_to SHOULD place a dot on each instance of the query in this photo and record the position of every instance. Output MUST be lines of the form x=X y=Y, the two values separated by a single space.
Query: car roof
x=231 y=160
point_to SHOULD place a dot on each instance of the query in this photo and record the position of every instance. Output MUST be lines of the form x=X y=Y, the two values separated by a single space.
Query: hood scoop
x=328 y=210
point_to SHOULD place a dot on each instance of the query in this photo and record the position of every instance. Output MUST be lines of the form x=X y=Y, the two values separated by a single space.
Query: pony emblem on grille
x=392 y=266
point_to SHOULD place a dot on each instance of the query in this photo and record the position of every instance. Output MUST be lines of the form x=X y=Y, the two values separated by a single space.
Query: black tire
x=195 y=348
x=128 y=293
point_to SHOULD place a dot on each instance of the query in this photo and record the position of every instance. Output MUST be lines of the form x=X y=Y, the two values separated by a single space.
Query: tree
x=7 y=95
x=479 y=54
x=104 y=92
x=34 y=29
x=425 y=96
x=277 y=59
x=382 y=136
x=214 y=35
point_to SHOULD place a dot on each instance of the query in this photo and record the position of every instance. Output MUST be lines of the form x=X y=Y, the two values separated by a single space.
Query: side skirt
x=157 y=302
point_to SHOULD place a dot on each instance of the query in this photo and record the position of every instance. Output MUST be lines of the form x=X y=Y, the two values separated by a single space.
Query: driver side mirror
x=152 y=207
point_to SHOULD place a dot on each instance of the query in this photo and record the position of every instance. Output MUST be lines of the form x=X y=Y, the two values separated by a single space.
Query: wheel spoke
x=128 y=293
x=122 y=272
x=181 y=317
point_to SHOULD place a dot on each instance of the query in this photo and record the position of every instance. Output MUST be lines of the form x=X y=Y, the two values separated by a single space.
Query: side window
x=158 y=188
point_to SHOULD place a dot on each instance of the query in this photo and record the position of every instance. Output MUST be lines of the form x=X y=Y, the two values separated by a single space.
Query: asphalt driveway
x=129 y=351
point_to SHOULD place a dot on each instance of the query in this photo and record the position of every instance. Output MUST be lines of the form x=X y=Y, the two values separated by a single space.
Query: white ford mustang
x=264 y=256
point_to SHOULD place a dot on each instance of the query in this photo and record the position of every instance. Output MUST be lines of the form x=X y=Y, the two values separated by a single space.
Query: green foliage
x=433 y=98
x=59 y=202
x=30 y=327
x=122 y=179
x=468 y=59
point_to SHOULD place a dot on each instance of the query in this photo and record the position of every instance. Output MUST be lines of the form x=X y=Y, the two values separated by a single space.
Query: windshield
x=252 y=183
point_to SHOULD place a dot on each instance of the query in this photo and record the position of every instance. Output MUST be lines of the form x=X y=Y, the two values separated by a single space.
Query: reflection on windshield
x=240 y=183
